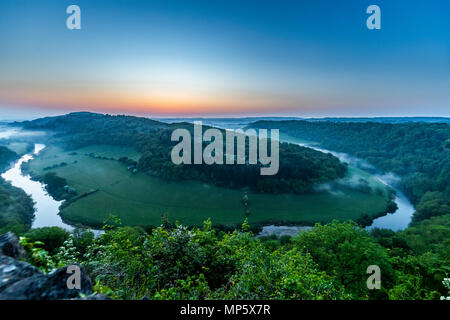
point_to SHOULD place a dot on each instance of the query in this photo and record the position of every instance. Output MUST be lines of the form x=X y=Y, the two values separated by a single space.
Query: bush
x=51 y=237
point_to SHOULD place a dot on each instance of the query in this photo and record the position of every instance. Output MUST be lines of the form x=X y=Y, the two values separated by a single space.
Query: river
x=398 y=220
x=46 y=208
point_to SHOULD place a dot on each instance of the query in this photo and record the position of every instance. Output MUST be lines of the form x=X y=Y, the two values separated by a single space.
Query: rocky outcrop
x=12 y=271
x=21 y=281
x=39 y=286
x=10 y=246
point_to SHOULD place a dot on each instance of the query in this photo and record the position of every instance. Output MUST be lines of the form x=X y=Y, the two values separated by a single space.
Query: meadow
x=139 y=199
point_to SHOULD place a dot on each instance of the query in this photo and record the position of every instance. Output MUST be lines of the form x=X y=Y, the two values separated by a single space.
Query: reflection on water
x=46 y=208
x=398 y=220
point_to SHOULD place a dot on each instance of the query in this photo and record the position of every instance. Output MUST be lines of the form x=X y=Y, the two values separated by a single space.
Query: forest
x=300 y=168
x=328 y=262
x=419 y=153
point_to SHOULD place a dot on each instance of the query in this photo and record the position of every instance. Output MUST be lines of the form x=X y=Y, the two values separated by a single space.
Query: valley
x=140 y=199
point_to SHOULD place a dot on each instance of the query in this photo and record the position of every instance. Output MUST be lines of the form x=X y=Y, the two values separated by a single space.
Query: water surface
x=398 y=220
x=46 y=208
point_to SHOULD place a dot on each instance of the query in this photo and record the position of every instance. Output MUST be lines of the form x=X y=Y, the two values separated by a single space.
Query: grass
x=139 y=199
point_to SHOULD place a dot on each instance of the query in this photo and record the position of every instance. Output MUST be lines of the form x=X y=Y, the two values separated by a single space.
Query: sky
x=311 y=58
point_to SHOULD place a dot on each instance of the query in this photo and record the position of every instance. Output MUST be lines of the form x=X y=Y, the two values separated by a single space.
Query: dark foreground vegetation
x=300 y=168
x=329 y=262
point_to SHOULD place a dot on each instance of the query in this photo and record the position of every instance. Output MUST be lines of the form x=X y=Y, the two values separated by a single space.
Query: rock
x=12 y=271
x=10 y=246
x=22 y=281
x=50 y=286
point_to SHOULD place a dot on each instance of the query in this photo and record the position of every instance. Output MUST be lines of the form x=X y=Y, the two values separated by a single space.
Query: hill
x=300 y=168
x=418 y=152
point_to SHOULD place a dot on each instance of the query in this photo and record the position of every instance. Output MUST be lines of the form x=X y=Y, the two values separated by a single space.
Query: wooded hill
x=300 y=168
x=418 y=152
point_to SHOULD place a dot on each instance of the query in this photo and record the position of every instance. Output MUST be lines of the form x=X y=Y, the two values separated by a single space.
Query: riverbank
x=395 y=221
x=139 y=199
x=46 y=208
x=129 y=193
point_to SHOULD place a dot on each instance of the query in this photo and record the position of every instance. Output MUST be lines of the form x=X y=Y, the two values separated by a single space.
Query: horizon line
x=288 y=117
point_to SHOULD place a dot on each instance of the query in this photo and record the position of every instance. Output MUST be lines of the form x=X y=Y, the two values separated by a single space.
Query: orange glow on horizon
x=174 y=104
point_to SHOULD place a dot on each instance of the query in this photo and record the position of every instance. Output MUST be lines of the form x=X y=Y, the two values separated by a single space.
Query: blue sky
x=231 y=58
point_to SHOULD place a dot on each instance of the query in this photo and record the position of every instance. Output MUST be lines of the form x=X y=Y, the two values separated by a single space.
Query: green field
x=139 y=199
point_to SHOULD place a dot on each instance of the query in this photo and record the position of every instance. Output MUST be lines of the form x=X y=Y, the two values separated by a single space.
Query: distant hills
x=300 y=169
x=387 y=119
x=247 y=120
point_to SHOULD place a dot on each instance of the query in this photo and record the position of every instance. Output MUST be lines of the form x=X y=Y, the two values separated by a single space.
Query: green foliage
x=181 y=263
x=189 y=289
x=282 y=274
x=420 y=257
x=344 y=251
x=329 y=262
x=245 y=226
x=389 y=239
x=82 y=239
x=99 y=288
x=300 y=168
x=51 y=237
x=431 y=204
x=140 y=199
x=446 y=283
x=6 y=157
x=417 y=152
x=418 y=277
x=112 y=222
x=16 y=209
x=116 y=260
x=67 y=254
x=38 y=256
x=55 y=186
x=429 y=235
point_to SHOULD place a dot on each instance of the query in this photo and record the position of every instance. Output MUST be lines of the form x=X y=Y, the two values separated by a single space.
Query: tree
x=344 y=251
x=431 y=204
x=52 y=237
